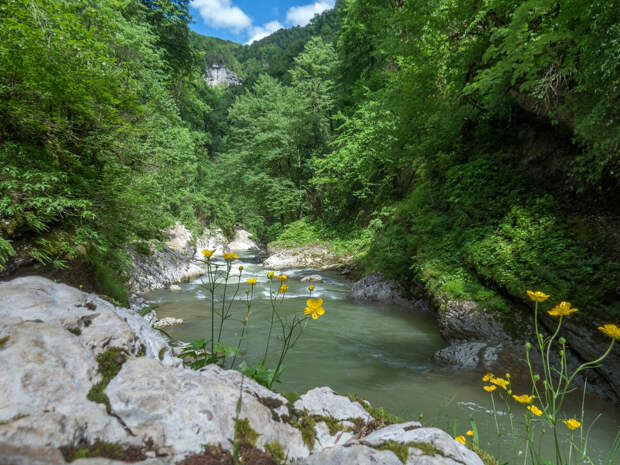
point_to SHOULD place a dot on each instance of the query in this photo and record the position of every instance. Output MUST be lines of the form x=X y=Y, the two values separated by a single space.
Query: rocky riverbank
x=175 y=261
x=83 y=378
x=480 y=340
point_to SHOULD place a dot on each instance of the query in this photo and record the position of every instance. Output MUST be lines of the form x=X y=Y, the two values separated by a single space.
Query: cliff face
x=218 y=74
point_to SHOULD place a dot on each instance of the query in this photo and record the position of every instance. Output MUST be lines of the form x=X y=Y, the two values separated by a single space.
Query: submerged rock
x=313 y=278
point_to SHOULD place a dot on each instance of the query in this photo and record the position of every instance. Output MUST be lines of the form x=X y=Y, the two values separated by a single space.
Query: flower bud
x=240 y=267
x=562 y=341
x=536 y=377
x=528 y=346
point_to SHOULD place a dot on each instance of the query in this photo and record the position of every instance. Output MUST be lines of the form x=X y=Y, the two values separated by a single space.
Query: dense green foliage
x=468 y=146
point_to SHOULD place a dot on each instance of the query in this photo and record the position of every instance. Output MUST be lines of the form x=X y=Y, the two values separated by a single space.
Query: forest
x=469 y=149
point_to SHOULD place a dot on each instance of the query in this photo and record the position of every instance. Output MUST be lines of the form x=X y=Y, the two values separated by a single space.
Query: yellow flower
x=208 y=253
x=461 y=439
x=535 y=410
x=231 y=256
x=314 y=308
x=252 y=281
x=571 y=424
x=240 y=267
x=489 y=388
x=282 y=278
x=501 y=382
x=523 y=399
x=311 y=288
x=270 y=275
x=537 y=296
x=610 y=330
x=488 y=377
x=562 y=309
x=470 y=433
x=283 y=288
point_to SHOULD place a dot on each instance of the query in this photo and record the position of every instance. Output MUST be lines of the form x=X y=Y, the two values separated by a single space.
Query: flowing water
x=382 y=353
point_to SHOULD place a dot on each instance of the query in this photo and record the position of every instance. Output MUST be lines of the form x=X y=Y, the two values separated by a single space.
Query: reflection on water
x=380 y=352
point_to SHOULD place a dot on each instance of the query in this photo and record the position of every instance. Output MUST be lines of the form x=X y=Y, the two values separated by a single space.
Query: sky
x=245 y=21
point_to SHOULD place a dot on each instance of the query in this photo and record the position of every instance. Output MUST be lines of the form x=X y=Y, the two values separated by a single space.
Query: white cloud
x=260 y=32
x=222 y=14
x=301 y=15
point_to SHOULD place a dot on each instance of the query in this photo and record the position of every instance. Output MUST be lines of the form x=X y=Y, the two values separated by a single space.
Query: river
x=379 y=352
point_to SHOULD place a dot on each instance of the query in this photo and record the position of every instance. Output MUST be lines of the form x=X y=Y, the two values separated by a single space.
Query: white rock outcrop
x=50 y=339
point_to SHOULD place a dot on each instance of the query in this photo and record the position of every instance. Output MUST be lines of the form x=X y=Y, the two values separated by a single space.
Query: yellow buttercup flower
x=461 y=439
x=470 y=433
x=501 y=382
x=571 y=424
x=282 y=278
x=231 y=256
x=523 y=399
x=535 y=410
x=537 y=296
x=283 y=288
x=314 y=308
x=208 y=253
x=562 y=309
x=252 y=281
x=610 y=330
x=270 y=275
x=311 y=288
x=488 y=377
x=489 y=388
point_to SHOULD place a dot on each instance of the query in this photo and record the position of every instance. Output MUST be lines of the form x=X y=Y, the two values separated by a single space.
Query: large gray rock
x=44 y=398
x=211 y=239
x=180 y=410
x=450 y=451
x=99 y=323
x=466 y=320
x=323 y=401
x=356 y=454
x=243 y=242
x=377 y=288
x=305 y=256
x=218 y=75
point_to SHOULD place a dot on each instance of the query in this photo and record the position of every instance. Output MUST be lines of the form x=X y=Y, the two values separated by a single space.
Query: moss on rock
x=110 y=363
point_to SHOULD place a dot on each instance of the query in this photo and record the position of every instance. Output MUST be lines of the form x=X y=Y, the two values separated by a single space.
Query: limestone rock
x=154 y=404
x=211 y=239
x=179 y=239
x=220 y=75
x=352 y=455
x=313 y=278
x=168 y=322
x=11 y=454
x=465 y=320
x=307 y=256
x=44 y=400
x=97 y=323
x=175 y=288
x=243 y=242
x=451 y=452
x=323 y=401
x=376 y=287
x=464 y=354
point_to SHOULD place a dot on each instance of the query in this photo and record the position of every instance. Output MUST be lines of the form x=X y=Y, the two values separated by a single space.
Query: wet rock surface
x=307 y=256
x=377 y=288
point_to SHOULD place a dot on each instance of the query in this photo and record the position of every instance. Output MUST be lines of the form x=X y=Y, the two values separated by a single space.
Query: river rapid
x=381 y=353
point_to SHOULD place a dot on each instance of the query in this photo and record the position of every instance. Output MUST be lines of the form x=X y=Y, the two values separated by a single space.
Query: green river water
x=382 y=353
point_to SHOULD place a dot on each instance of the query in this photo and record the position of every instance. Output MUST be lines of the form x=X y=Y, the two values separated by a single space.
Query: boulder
x=211 y=239
x=323 y=401
x=96 y=323
x=449 y=451
x=44 y=400
x=181 y=410
x=168 y=322
x=356 y=454
x=306 y=256
x=243 y=242
x=466 y=320
x=377 y=288
x=179 y=239
x=313 y=278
